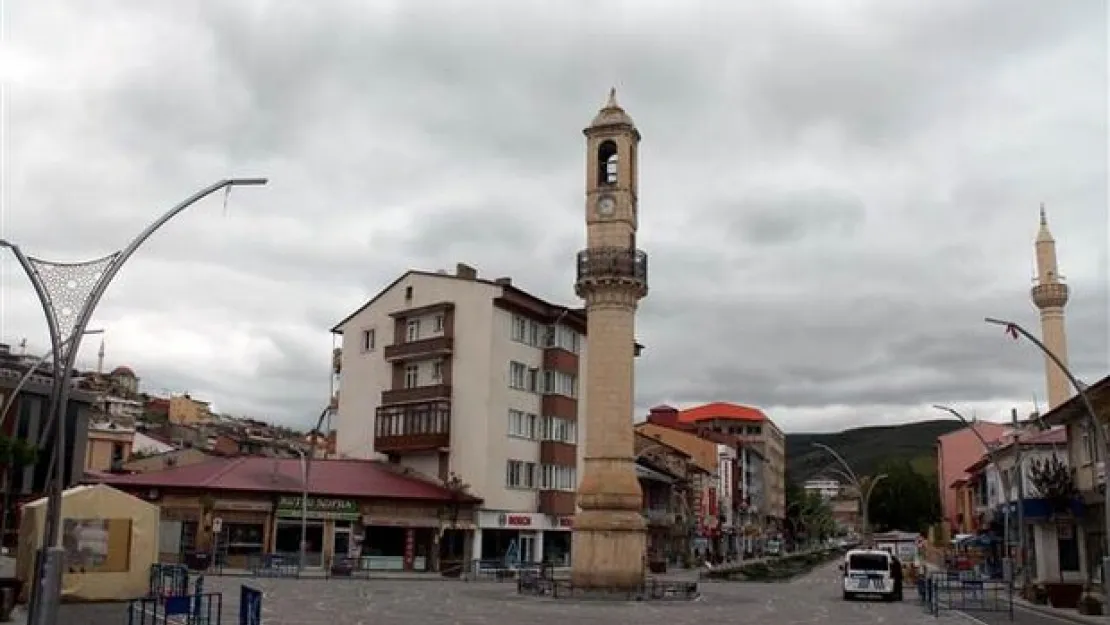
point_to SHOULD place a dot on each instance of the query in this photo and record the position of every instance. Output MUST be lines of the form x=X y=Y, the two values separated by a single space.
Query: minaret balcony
x=612 y=266
x=1050 y=295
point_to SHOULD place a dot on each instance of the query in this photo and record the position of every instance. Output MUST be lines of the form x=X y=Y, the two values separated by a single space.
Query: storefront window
x=244 y=538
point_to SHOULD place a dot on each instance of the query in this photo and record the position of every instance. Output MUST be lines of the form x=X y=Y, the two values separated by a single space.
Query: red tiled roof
x=335 y=478
x=721 y=410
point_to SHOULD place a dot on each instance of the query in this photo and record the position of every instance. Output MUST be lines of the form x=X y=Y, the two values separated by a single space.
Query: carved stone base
x=607 y=549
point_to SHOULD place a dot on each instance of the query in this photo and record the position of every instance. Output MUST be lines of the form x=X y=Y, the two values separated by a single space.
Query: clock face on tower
x=606 y=206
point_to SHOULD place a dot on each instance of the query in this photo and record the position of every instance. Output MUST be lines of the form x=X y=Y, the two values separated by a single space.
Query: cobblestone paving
x=814 y=598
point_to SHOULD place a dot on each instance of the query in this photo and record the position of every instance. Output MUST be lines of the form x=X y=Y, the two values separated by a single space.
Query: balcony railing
x=435 y=346
x=413 y=427
x=606 y=264
x=416 y=394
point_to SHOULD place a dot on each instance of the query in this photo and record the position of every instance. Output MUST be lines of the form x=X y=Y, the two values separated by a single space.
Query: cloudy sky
x=833 y=194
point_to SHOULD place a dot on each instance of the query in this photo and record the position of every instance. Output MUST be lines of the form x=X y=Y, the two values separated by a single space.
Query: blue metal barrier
x=168 y=580
x=250 y=606
x=199 y=609
x=964 y=591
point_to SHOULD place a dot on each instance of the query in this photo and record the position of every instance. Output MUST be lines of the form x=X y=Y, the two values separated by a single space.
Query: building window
x=523 y=424
x=554 y=477
x=534 y=380
x=518 y=374
x=520 y=474
x=437 y=324
x=520 y=328
x=558 y=429
x=535 y=334
x=564 y=338
x=368 y=340
x=437 y=371
x=243 y=538
x=559 y=383
x=408 y=293
x=412 y=376
x=412 y=330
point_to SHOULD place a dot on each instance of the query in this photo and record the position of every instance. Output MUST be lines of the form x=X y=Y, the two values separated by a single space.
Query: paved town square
x=814 y=598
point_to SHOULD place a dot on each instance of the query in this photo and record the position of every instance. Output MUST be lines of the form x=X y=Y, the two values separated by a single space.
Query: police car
x=870 y=572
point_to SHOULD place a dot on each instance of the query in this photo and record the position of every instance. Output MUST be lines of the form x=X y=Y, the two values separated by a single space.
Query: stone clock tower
x=609 y=531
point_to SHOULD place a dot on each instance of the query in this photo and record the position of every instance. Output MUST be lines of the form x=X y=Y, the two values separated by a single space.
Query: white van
x=870 y=572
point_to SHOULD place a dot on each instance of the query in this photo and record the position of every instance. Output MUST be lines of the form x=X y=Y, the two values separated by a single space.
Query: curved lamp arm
x=841 y=460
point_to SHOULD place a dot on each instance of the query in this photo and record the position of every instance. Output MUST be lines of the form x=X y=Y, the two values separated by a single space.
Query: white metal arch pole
x=48 y=595
x=1101 y=442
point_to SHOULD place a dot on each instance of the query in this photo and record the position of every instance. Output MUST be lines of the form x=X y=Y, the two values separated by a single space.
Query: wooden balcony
x=416 y=394
x=416 y=427
x=558 y=453
x=557 y=502
x=424 y=348
x=560 y=406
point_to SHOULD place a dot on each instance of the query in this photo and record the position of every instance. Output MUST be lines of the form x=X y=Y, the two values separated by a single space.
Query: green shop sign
x=289 y=506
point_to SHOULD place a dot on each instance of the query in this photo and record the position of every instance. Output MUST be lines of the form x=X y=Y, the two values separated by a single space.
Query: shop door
x=527 y=547
x=341 y=543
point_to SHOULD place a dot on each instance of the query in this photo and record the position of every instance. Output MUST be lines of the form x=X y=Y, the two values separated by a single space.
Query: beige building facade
x=452 y=373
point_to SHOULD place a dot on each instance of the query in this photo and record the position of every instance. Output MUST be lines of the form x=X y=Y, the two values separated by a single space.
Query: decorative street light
x=1007 y=561
x=864 y=491
x=69 y=293
x=1101 y=441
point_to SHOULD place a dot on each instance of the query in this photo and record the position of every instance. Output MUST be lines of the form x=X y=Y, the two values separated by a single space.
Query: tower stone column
x=609 y=538
x=1050 y=296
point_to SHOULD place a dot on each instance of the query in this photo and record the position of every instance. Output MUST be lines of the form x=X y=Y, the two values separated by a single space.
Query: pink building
x=955 y=452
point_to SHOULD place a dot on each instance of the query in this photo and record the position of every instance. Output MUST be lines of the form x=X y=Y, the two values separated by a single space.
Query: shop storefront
x=189 y=525
x=400 y=539
x=518 y=537
x=328 y=528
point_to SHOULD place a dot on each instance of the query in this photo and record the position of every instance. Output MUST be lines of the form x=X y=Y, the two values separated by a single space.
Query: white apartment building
x=451 y=373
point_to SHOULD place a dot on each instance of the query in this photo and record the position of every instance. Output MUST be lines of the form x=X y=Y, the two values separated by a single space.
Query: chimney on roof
x=664 y=416
x=504 y=281
x=465 y=271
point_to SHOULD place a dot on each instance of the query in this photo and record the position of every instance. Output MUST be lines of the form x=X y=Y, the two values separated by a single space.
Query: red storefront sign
x=517 y=520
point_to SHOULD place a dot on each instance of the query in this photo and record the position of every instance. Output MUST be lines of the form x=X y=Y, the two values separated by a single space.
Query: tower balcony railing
x=613 y=264
x=1050 y=295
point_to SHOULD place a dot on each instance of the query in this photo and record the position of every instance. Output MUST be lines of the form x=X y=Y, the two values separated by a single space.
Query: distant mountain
x=865 y=448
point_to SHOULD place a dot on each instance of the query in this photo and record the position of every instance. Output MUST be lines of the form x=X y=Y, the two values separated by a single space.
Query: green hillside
x=865 y=448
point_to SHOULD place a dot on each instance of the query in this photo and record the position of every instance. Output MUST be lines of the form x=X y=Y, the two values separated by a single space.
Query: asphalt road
x=810 y=600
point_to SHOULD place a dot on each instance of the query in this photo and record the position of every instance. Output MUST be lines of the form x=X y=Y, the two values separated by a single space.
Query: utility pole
x=1020 y=464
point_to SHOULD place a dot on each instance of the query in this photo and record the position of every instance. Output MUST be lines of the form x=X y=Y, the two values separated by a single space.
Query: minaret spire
x=1050 y=296
x=100 y=358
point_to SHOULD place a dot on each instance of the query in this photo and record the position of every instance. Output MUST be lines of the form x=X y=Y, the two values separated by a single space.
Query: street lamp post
x=1007 y=562
x=864 y=493
x=68 y=294
x=1101 y=441
x=304 y=510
